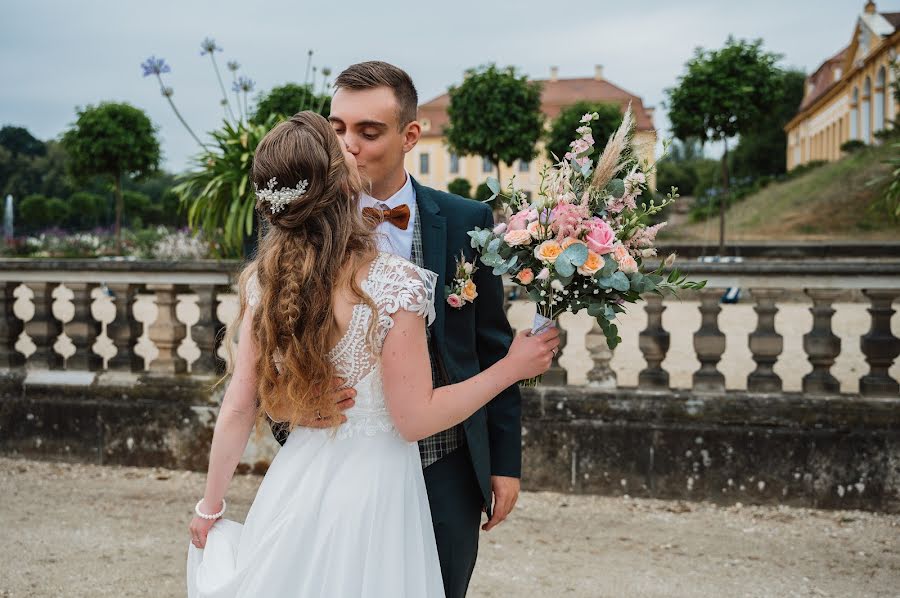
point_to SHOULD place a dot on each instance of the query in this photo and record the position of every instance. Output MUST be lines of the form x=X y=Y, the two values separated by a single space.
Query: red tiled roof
x=555 y=95
x=823 y=79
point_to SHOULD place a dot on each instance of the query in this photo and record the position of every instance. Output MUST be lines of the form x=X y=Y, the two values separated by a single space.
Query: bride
x=342 y=512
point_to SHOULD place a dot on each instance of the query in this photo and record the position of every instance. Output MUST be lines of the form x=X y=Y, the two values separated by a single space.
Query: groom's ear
x=411 y=133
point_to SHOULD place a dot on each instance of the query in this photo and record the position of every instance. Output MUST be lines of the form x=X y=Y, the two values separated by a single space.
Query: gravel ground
x=81 y=530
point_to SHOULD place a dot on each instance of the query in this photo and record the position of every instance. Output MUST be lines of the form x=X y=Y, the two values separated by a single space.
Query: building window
x=865 y=128
x=880 y=97
x=423 y=163
x=524 y=166
x=454 y=164
x=486 y=165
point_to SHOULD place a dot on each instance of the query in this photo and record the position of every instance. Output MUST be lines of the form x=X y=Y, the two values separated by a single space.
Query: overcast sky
x=56 y=55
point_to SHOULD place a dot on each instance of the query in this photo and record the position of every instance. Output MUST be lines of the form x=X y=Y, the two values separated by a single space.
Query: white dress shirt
x=390 y=238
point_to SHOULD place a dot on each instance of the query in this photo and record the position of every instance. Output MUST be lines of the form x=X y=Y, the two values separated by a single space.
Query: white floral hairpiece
x=282 y=197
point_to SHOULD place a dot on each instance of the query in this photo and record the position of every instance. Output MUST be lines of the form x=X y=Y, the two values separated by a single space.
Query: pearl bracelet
x=203 y=515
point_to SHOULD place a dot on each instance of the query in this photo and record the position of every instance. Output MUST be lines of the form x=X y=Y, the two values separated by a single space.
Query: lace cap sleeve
x=253 y=291
x=398 y=284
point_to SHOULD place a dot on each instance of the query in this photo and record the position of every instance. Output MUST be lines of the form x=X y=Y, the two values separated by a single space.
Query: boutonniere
x=462 y=290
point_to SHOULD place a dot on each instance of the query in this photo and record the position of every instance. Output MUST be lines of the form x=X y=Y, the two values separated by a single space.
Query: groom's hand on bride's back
x=343 y=398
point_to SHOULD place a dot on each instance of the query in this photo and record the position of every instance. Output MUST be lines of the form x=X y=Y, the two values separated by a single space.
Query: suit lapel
x=434 y=250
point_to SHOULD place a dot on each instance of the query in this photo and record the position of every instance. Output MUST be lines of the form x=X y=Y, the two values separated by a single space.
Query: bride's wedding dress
x=345 y=513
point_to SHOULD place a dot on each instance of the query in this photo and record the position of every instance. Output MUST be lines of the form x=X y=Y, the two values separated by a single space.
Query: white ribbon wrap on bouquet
x=541 y=324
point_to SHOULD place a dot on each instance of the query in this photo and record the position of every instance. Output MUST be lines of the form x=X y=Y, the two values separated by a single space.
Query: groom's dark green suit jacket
x=472 y=338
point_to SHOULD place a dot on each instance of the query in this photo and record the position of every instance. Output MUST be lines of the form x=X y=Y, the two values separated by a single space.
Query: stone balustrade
x=167 y=319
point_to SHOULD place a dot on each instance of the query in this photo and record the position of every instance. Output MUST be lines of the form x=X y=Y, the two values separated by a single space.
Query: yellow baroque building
x=849 y=96
x=432 y=163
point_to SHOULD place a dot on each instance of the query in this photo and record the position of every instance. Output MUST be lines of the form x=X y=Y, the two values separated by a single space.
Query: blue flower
x=245 y=84
x=155 y=66
x=233 y=65
x=208 y=46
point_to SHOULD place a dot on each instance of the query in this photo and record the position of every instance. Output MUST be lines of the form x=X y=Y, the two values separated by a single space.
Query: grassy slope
x=830 y=202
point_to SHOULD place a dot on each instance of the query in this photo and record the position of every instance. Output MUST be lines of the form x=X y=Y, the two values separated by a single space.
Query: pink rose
x=520 y=220
x=525 y=276
x=600 y=238
x=455 y=301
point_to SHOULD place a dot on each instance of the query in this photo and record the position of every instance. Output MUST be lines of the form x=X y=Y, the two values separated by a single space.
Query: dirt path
x=79 y=530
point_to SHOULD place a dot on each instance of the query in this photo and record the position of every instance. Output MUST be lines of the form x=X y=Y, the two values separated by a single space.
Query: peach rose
x=525 y=276
x=548 y=251
x=628 y=264
x=468 y=291
x=517 y=237
x=619 y=252
x=455 y=301
x=592 y=265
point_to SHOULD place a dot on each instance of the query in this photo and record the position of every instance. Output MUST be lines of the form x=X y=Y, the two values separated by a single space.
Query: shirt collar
x=405 y=196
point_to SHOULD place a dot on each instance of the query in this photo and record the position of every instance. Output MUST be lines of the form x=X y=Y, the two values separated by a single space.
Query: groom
x=474 y=467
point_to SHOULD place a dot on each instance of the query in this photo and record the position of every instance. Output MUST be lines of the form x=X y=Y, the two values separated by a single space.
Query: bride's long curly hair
x=311 y=250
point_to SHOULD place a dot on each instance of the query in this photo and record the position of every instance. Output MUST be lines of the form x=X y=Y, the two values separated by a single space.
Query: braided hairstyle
x=312 y=249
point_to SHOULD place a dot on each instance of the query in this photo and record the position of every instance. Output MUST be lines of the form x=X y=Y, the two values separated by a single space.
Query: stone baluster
x=166 y=332
x=822 y=346
x=124 y=330
x=206 y=331
x=709 y=343
x=879 y=345
x=653 y=342
x=601 y=375
x=765 y=344
x=10 y=328
x=82 y=329
x=43 y=328
x=557 y=375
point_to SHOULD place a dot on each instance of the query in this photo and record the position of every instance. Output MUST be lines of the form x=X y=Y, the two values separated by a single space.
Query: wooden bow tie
x=398 y=216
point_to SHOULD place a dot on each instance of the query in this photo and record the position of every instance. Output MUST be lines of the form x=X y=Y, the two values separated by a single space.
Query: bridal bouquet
x=581 y=243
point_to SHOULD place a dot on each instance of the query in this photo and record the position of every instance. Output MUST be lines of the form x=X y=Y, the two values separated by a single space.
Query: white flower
x=468 y=267
x=556 y=285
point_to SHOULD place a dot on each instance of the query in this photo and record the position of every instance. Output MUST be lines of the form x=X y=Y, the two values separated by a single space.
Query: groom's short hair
x=374 y=73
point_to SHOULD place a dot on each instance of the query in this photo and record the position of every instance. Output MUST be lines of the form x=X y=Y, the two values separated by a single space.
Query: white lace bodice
x=393 y=284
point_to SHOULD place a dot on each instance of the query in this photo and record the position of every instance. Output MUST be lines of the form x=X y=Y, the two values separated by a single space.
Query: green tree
x=495 y=113
x=762 y=149
x=114 y=141
x=39 y=212
x=19 y=141
x=562 y=130
x=460 y=186
x=287 y=100
x=722 y=94
x=86 y=210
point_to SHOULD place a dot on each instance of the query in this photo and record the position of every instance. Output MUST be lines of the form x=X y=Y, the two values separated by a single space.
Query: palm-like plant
x=218 y=193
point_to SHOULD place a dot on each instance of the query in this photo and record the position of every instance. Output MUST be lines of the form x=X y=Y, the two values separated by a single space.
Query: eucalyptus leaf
x=564 y=267
x=494 y=185
x=491 y=260
x=616 y=188
x=494 y=245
